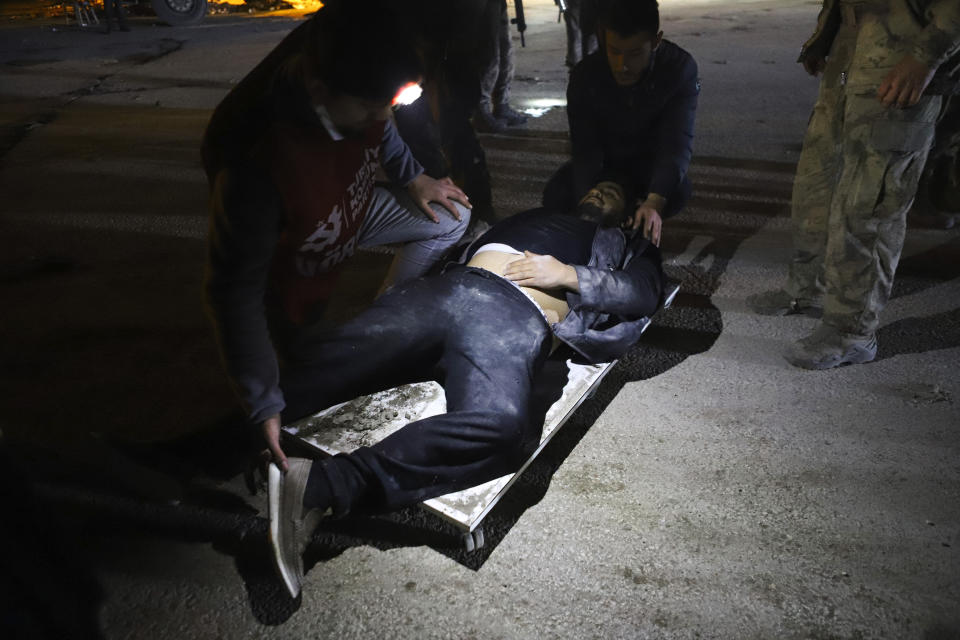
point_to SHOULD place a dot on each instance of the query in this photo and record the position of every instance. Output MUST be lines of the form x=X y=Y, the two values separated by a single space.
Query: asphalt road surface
x=708 y=490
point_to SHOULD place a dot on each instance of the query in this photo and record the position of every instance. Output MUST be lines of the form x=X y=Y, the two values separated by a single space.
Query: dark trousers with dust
x=471 y=331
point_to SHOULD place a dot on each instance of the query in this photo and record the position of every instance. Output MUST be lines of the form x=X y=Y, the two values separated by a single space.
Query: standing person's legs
x=108 y=11
x=505 y=66
x=884 y=150
x=501 y=91
x=114 y=11
x=813 y=188
x=588 y=26
x=571 y=19
x=883 y=154
x=490 y=75
x=458 y=97
x=394 y=218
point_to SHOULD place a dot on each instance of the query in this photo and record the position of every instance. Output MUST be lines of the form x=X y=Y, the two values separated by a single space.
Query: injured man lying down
x=482 y=328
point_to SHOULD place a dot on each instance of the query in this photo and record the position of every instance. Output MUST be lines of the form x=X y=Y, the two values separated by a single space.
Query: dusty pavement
x=708 y=490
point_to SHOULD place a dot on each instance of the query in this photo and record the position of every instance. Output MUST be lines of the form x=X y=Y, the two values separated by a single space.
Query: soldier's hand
x=424 y=190
x=814 y=64
x=905 y=83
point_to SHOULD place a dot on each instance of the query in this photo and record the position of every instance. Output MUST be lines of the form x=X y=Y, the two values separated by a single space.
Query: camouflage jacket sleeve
x=828 y=21
x=940 y=38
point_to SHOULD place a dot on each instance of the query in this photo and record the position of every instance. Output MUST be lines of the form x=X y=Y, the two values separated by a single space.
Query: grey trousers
x=393 y=218
x=496 y=79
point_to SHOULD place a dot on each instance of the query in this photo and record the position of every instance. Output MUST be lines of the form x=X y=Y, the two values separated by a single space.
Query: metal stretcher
x=368 y=419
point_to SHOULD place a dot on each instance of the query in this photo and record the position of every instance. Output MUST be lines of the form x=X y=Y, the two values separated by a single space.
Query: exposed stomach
x=553 y=306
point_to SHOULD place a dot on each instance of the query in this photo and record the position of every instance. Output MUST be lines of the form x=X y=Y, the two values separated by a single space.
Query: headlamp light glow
x=408 y=94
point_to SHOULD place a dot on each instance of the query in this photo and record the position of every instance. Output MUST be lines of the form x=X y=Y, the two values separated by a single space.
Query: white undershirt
x=505 y=248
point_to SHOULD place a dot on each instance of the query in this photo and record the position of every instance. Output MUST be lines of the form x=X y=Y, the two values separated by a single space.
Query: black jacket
x=647 y=125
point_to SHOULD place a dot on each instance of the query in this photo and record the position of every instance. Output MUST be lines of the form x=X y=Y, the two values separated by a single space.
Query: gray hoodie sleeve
x=244 y=229
x=395 y=157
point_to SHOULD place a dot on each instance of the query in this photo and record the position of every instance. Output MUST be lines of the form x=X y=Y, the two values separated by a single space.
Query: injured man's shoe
x=827 y=348
x=780 y=303
x=604 y=204
x=290 y=524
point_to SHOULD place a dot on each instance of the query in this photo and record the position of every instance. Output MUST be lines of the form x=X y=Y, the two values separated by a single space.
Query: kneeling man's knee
x=451 y=228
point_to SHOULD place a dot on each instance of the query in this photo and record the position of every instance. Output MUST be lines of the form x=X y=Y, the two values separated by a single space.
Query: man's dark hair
x=364 y=48
x=629 y=17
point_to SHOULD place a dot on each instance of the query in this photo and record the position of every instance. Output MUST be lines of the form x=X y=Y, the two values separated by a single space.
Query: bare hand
x=271 y=433
x=905 y=83
x=648 y=218
x=543 y=272
x=814 y=64
x=424 y=190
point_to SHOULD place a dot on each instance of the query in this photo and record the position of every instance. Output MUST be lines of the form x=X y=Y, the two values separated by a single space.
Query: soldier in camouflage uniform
x=885 y=65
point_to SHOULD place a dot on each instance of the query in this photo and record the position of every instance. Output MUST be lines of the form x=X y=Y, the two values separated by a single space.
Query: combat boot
x=827 y=347
x=780 y=303
x=291 y=525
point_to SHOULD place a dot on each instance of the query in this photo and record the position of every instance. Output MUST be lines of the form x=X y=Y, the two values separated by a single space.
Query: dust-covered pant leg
x=483 y=341
x=395 y=341
x=496 y=340
x=884 y=149
x=393 y=218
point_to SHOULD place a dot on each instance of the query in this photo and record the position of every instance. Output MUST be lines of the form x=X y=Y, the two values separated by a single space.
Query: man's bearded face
x=604 y=204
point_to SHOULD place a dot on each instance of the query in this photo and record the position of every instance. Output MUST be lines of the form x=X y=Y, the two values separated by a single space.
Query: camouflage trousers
x=855 y=182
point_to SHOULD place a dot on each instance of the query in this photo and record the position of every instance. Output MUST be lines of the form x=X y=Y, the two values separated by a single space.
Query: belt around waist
x=508 y=284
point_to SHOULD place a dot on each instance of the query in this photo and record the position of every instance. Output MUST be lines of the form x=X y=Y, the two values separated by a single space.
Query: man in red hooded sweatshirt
x=291 y=154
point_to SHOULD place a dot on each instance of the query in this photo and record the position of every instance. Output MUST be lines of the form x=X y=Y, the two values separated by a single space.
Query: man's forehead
x=638 y=40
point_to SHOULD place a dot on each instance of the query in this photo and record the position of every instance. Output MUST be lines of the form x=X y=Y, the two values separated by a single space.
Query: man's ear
x=657 y=40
